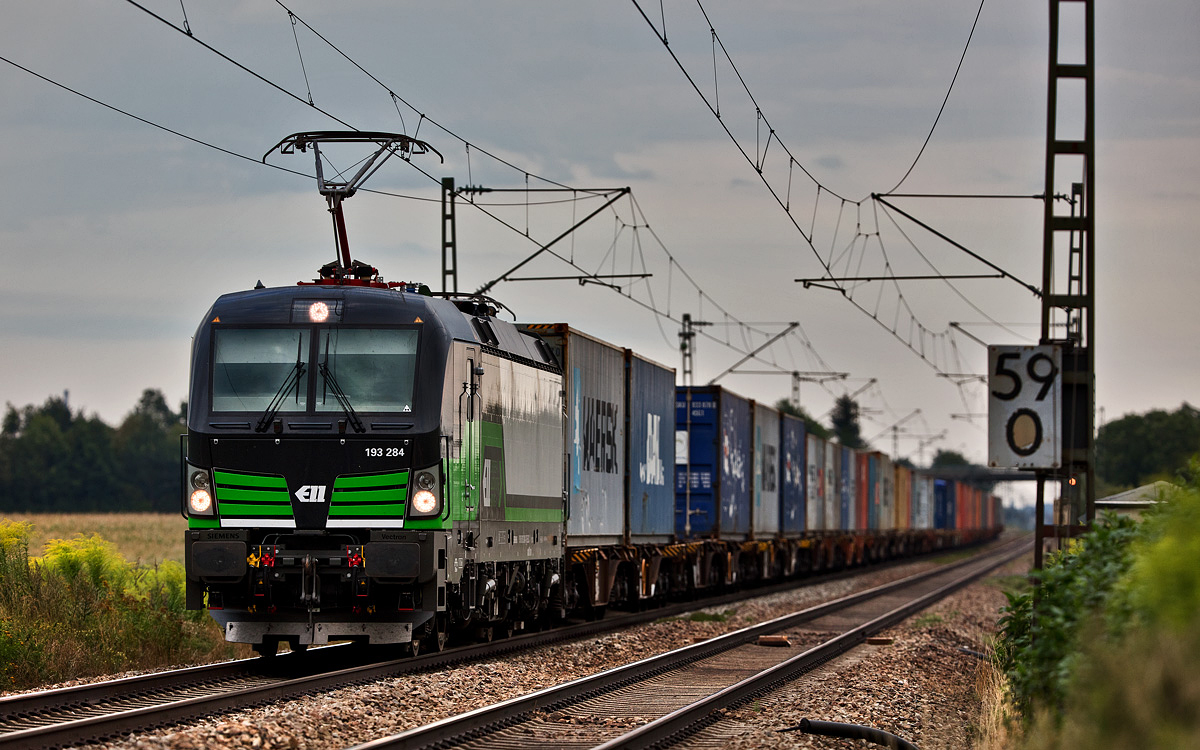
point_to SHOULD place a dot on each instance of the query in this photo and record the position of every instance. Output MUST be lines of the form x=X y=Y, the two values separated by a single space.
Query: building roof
x=1139 y=497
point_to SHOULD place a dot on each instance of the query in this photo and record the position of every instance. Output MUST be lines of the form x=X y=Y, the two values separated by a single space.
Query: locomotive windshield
x=251 y=366
x=372 y=366
x=272 y=369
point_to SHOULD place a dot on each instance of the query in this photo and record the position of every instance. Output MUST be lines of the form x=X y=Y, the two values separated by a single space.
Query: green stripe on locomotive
x=381 y=496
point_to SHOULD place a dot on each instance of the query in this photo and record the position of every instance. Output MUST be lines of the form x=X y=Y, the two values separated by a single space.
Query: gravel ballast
x=920 y=686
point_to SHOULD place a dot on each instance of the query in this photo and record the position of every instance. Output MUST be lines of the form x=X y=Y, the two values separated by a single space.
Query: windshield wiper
x=342 y=399
x=292 y=381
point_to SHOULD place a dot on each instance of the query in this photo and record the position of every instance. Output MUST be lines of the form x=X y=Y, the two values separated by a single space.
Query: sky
x=116 y=236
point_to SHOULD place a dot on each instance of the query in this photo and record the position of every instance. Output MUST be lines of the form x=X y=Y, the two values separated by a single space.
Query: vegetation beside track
x=1109 y=656
x=82 y=609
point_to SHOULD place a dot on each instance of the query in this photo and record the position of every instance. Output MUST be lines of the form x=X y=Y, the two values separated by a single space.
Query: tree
x=146 y=446
x=845 y=423
x=811 y=425
x=949 y=458
x=1140 y=448
x=52 y=460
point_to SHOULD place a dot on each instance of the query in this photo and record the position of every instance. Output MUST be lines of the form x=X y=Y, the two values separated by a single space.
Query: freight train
x=366 y=461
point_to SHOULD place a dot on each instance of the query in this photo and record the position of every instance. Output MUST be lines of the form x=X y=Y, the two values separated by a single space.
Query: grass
x=997 y=729
x=1017 y=584
x=951 y=557
x=83 y=609
x=145 y=538
x=700 y=617
x=712 y=616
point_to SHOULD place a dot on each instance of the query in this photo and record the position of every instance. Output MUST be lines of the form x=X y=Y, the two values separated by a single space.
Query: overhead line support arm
x=1037 y=292
x=504 y=276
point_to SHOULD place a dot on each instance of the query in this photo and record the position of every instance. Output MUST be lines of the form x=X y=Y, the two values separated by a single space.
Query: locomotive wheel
x=441 y=633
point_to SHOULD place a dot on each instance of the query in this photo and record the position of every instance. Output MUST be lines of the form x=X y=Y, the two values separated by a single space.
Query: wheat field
x=145 y=538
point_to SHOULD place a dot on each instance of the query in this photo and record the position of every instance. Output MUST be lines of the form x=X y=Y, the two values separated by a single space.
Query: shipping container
x=849 y=475
x=650 y=427
x=887 y=493
x=816 y=483
x=862 y=512
x=594 y=378
x=903 y=497
x=873 y=493
x=922 y=501
x=792 y=512
x=764 y=513
x=712 y=469
x=832 y=504
x=941 y=494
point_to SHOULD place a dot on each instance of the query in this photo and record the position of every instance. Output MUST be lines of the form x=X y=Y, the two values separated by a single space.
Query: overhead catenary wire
x=468 y=147
x=672 y=262
x=466 y=144
x=152 y=124
x=942 y=108
x=783 y=197
x=240 y=66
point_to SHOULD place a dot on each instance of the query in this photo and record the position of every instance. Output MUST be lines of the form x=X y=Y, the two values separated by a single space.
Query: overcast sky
x=116 y=236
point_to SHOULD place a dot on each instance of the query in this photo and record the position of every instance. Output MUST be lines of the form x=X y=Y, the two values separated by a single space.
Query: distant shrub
x=83 y=609
x=1163 y=586
x=1039 y=644
x=1114 y=663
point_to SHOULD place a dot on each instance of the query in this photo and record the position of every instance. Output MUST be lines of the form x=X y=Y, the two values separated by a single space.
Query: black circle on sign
x=1037 y=434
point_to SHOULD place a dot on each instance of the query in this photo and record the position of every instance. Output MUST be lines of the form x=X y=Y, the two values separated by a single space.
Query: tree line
x=1134 y=450
x=54 y=460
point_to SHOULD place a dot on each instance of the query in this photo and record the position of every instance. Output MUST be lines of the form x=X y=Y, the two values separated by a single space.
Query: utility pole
x=1072 y=234
x=686 y=336
x=449 y=238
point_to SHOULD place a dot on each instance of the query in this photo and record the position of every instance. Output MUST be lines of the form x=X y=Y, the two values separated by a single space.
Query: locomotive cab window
x=373 y=369
x=251 y=367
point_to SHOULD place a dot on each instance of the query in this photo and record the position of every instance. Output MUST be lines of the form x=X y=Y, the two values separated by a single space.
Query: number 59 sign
x=1024 y=398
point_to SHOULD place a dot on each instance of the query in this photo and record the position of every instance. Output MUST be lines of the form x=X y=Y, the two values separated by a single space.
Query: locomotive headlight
x=424 y=502
x=200 y=502
x=318 y=312
x=198 y=490
x=199 y=480
x=426 y=480
x=427 y=495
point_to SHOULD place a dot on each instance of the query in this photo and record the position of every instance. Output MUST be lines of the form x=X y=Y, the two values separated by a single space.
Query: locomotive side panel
x=518 y=501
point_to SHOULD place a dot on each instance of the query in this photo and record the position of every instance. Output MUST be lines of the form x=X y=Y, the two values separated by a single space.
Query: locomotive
x=364 y=462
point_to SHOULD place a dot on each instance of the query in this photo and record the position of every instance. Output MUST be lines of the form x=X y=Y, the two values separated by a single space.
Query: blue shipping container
x=650 y=499
x=791 y=496
x=940 y=492
x=712 y=472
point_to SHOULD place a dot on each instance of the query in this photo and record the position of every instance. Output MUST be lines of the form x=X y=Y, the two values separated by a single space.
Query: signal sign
x=1024 y=406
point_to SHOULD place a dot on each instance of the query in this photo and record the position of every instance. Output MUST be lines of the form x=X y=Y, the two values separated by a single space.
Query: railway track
x=101 y=710
x=663 y=698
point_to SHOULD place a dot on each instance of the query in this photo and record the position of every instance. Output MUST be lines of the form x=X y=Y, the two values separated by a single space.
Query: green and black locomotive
x=367 y=462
